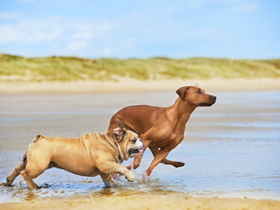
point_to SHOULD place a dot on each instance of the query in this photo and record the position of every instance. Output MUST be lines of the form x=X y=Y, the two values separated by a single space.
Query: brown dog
x=90 y=155
x=162 y=129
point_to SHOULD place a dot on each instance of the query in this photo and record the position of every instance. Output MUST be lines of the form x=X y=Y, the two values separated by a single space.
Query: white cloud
x=82 y=35
x=250 y=7
x=28 y=31
x=105 y=52
x=8 y=15
x=32 y=29
x=246 y=8
x=209 y=33
x=76 y=45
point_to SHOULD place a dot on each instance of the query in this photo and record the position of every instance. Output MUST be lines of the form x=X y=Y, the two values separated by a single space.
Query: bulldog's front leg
x=113 y=168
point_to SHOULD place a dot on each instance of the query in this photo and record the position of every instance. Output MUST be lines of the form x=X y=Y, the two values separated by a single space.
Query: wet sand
x=231 y=151
x=147 y=202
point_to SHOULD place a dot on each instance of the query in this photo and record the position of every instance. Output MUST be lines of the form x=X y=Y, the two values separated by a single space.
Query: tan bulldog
x=90 y=155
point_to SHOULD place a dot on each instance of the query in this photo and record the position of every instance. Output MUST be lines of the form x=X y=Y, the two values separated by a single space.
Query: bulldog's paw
x=130 y=176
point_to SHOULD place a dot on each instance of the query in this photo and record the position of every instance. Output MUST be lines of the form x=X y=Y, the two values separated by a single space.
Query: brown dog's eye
x=199 y=92
x=134 y=140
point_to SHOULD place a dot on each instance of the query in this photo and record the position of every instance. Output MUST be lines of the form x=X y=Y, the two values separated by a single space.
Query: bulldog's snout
x=137 y=149
x=139 y=143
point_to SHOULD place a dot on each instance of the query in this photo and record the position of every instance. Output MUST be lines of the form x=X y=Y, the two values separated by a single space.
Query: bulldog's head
x=129 y=142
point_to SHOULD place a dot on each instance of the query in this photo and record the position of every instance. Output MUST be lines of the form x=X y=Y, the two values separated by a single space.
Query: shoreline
x=145 y=202
x=132 y=85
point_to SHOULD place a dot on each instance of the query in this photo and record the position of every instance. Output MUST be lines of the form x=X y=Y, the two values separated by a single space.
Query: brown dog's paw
x=35 y=186
x=179 y=164
x=5 y=184
x=115 y=177
x=145 y=178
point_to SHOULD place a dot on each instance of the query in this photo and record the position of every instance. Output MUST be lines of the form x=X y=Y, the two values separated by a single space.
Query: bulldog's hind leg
x=10 y=179
x=34 y=168
x=107 y=180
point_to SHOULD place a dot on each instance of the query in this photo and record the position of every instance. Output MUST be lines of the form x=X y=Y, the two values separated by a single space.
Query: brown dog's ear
x=182 y=91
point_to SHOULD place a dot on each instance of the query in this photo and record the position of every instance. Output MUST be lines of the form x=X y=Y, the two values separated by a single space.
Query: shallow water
x=231 y=149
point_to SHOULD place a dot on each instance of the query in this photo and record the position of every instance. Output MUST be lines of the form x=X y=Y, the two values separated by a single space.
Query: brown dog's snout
x=214 y=98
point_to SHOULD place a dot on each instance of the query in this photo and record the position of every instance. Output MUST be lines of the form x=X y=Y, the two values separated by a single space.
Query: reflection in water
x=217 y=168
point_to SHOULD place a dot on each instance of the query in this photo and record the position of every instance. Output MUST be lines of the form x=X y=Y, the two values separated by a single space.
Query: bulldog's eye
x=134 y=140
x=198 y=92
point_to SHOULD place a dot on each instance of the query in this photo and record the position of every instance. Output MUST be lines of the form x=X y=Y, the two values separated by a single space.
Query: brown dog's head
x=195 y=96
x=129 y=142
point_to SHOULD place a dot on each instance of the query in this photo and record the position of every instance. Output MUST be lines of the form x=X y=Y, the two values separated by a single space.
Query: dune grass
x=16 y=68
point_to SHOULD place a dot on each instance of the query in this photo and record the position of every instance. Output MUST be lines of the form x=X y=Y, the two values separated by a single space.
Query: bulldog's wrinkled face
x=196 y=96
x=129 y=142
x=134 y=145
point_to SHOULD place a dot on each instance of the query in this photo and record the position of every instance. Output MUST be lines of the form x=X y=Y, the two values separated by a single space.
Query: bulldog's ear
x=118 y=131
x=121 y=125
x=182 y=92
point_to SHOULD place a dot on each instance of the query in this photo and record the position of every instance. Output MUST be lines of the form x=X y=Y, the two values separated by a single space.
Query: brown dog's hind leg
x=173 y=163
x=176 y=164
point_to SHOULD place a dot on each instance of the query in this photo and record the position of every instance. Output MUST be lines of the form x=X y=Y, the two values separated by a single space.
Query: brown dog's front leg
x=137 y=159
x=158 y=158
x=107 y=179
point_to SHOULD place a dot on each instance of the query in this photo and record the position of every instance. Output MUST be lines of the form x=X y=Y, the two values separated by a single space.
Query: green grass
x=16 y=68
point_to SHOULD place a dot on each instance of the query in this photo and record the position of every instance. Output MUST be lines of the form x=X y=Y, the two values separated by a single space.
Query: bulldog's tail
x=24 y=157
x=37 y=138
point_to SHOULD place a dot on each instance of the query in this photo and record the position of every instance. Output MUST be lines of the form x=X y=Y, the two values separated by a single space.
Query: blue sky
x=140 y=29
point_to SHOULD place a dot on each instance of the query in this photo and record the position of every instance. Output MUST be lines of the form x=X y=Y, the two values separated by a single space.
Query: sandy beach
x=132 y=85
x=230 y=150
x=147 y=202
